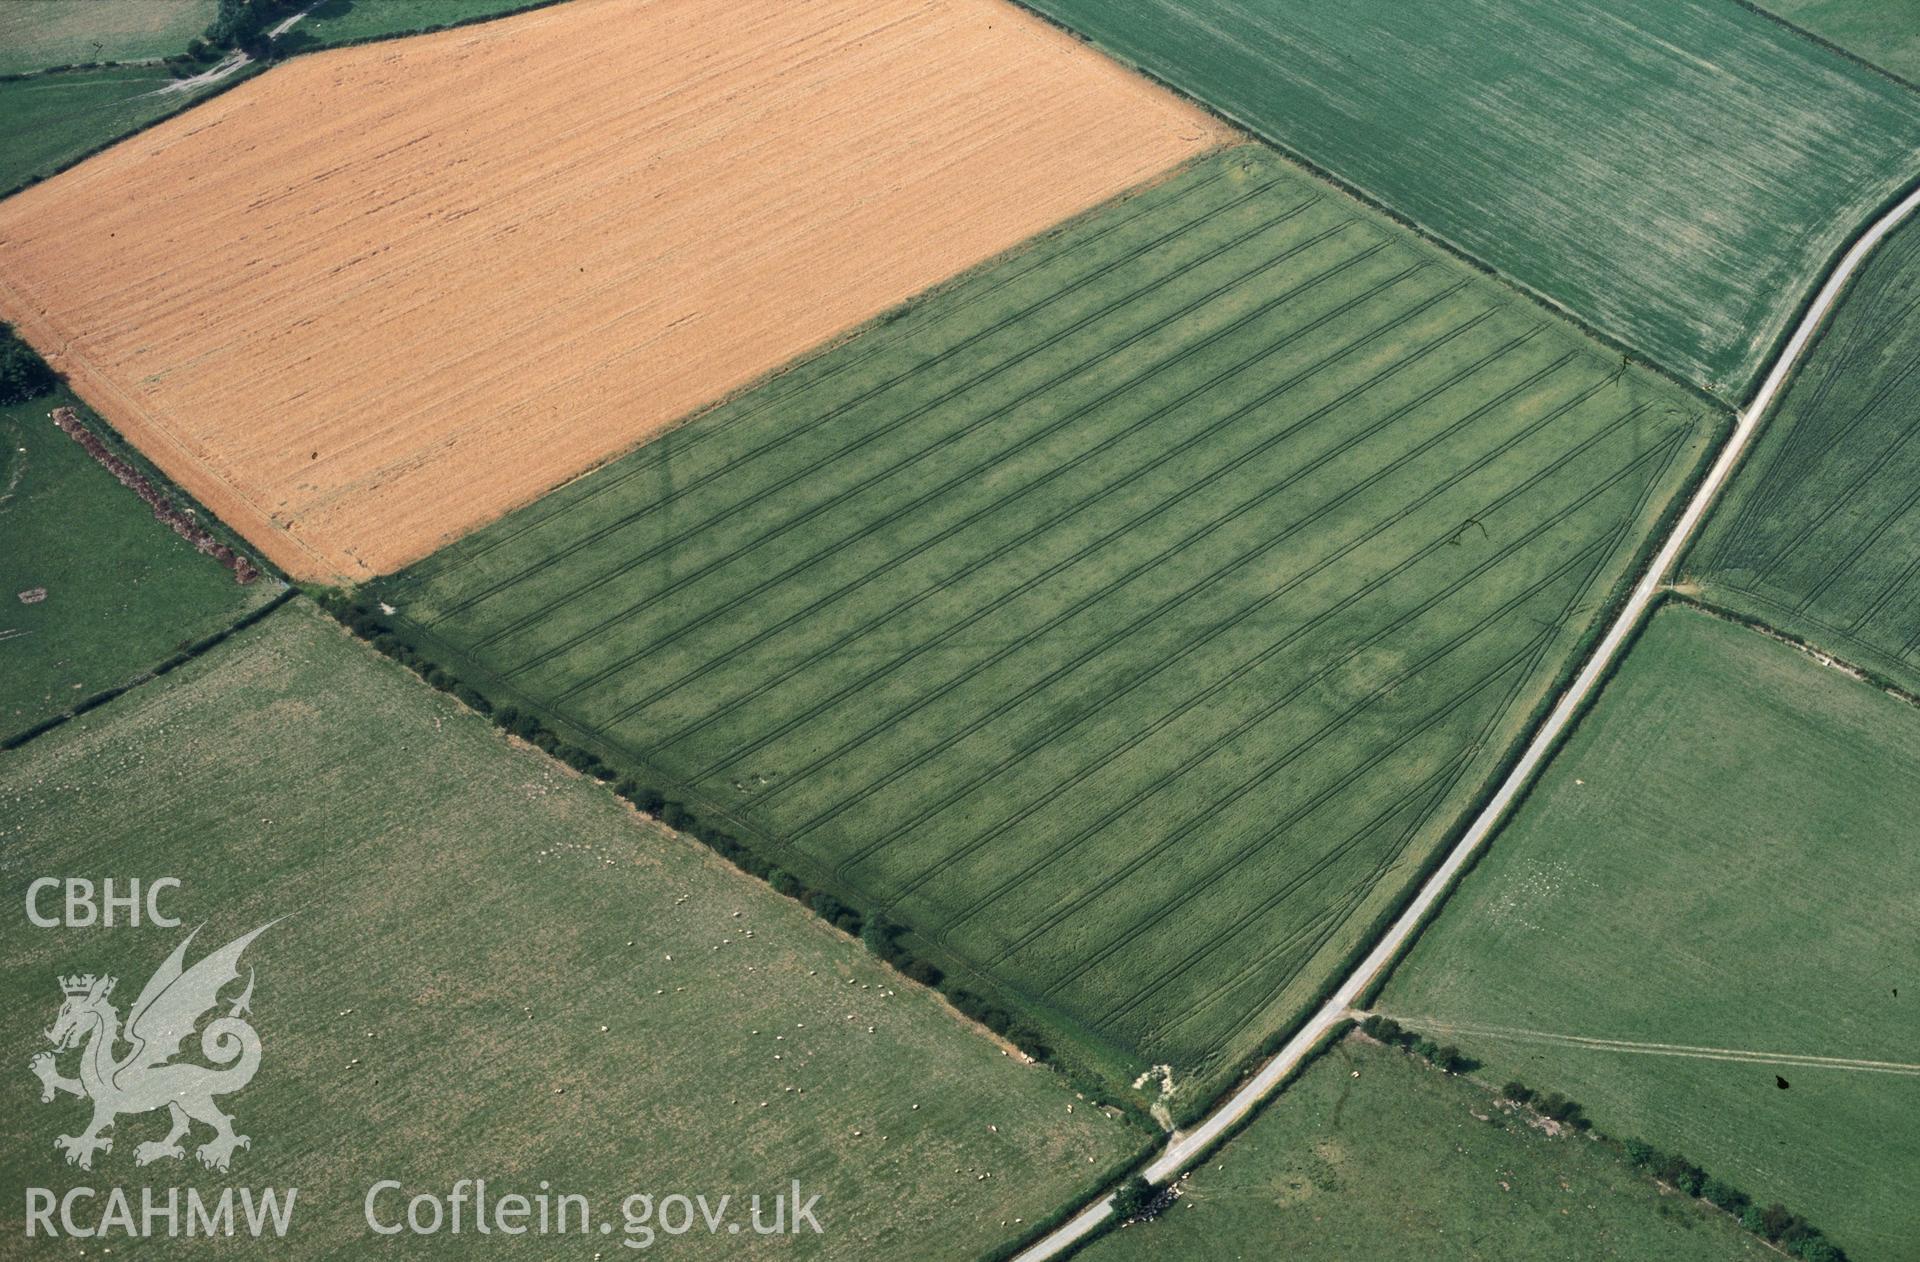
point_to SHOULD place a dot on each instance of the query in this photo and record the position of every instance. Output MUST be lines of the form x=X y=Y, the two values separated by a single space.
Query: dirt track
x=380 y=296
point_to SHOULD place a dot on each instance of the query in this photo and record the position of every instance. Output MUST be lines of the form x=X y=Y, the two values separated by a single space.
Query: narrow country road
x=1187 y=1146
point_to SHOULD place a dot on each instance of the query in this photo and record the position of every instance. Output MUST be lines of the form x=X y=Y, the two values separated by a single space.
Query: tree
x=1384 y=1029
x=1520 y=1093
x=1135 y=1197
x=23 y=374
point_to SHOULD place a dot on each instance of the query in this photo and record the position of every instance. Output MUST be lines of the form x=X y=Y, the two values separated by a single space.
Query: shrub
x=925 y=972
x=881 y=936
x=1775 y=1219
x=1679 y=1173
x=1520 y=1093
x=1452 y=1059
x=23 y=374
x=676 y=816
x=784 y=882
x=472 y=700
x=1725 y=1195
x=1133 y=1199
x=1384 y=1029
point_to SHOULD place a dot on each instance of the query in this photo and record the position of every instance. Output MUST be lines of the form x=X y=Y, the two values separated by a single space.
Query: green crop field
x=38 y=33
x=1885 y=32
x=1721 y=858
x=1819 y=534
x=1132 y=619
x=54 y=120
x=1678 y=173
x=489 y=968
x=123 y=591
x=1373 y=1154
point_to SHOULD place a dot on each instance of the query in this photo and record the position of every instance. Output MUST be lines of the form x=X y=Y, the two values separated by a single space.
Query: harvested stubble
x=381 y=296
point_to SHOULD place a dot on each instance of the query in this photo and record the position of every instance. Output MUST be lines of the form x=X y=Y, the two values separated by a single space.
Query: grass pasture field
x=1132 y=618
x=1678 y=173
x=1371 y=1153
x=487 y=967
x=39 y=33
x=1884 y=32
x=383 y=294
x=54 y=119
x=332 y=22
x=1819 y=534
x=1720 y=859
x=123 y=592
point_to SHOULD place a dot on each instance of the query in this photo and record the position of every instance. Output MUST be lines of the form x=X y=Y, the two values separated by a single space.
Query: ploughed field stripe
x=1129 y=620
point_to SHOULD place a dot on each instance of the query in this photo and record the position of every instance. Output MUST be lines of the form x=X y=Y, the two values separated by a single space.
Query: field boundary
x=1760 y=626
x=1366 y=198
x=243 y=75
x=969 y=991
x=179 y=659
x=1184 y=1150
x=1828 y=44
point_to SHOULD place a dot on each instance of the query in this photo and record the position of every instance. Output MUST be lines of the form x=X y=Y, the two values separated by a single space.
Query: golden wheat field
x=378 y=297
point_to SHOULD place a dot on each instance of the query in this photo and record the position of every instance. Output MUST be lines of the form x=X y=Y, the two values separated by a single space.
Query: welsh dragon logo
x=170 y=1006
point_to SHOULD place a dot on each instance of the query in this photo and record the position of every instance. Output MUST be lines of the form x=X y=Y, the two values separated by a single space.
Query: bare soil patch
x=383 y=295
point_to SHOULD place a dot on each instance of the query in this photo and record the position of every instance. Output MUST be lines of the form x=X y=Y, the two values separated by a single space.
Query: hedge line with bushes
x=1774 y=1223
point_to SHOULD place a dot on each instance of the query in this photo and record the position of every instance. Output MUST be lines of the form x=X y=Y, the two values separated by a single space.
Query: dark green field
x=1718 y=868
x=1374 y=1154
x=1676 y=172
x=1132 y=619
x=123 y=591
x=1819 y=535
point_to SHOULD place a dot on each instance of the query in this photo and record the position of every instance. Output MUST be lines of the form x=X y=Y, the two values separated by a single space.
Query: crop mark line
x=1086 y=601
x=1256 y=606
x=1608 y=545
x=1099 y=647
x=1158 y=461
x=1196 y=818
x=1265 y=771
